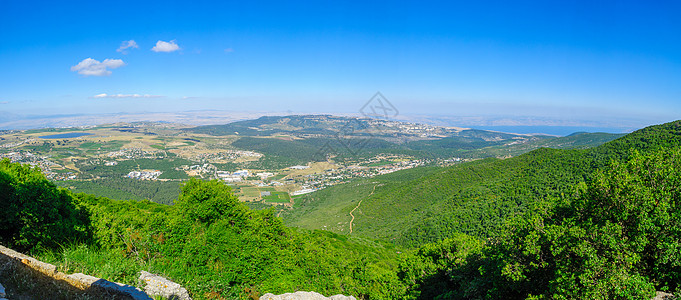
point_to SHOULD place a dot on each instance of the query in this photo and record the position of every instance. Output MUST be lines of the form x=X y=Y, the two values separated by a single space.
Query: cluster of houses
x=237 y=176
x=224 y=155
x=131 y=153
x=17 y=156
x=41 y=162
x=144 y=175
x=299 y=167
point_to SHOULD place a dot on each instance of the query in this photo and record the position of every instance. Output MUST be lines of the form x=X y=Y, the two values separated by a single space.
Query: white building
x=264 y=175
x=299 y=167
x=303 y=191
x=242 y=173
x=232 y=178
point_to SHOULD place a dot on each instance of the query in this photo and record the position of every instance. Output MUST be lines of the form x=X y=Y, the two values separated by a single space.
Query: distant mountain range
x=316 y=137
x=523 y=125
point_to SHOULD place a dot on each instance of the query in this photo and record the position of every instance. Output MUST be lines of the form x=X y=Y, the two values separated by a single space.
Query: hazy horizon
x=217 y=117
x=607 y=65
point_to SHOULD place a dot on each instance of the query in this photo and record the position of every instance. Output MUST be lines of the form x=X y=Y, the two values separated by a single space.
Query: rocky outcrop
x=304 y=296
x=155 y=285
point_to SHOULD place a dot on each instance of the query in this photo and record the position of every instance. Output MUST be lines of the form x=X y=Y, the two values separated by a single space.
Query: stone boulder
x=155 y=285
x=304 y=296
x=663 y=296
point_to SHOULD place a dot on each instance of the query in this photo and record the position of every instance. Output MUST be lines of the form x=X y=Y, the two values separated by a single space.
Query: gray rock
x=124 y=290
x=304 y=296
x=342 y=297
x=155 y=285
x=663 y=296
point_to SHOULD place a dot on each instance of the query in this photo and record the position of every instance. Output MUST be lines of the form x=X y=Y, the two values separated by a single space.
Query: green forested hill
x=163 y=192
x=473 y=198
x=616 y=237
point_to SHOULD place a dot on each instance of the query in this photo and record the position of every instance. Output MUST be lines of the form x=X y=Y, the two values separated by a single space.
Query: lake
x=553 y=130
x=65 y=135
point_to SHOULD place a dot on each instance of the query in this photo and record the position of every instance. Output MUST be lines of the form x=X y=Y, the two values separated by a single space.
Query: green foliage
x=207 y=202
x=439 y=268
x=36 y=214
x=214 y=245
x=290 y=152
x=120 y=188
x=455 y=142
x=90 y=145
x=612 y=241
x=277 y=197
x=617 y=238
x=87 y=259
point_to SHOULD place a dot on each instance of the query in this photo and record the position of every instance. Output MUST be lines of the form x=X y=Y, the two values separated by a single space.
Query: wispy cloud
x=119 y=96
x=4 y=102
x=229 y=50
x=162 y=46
x=125 y=45
x=92 y=67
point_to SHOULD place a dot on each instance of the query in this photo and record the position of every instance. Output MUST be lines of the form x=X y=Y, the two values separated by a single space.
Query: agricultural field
x=277 y=197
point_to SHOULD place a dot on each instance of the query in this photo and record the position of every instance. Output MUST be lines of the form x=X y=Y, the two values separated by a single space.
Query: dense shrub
x=35 y=213
x=617 y=237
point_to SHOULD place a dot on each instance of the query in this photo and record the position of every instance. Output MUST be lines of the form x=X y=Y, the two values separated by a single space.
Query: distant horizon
x=218 y=117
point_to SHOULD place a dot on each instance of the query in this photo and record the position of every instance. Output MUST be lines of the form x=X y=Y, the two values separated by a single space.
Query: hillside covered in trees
x=473 y=198
x=600 y=223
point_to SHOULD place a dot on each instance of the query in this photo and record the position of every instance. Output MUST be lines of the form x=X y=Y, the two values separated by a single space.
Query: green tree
x=37 y=214
x=618 y=238
x=206 y=202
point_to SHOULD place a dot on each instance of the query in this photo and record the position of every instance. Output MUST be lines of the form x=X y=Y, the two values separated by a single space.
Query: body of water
x=65 y=135
x=552 y=130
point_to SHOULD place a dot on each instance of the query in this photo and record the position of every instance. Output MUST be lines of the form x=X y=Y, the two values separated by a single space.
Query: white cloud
x=118 y=96
x=229 y=50
x=92 y=67
x=125 y=45
x=162 y=46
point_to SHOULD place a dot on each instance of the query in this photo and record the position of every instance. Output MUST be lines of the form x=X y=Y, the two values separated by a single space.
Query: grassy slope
x=331 y=206
x=473 y=198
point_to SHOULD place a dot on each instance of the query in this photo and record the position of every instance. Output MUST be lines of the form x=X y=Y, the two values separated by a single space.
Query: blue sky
x=583 y=62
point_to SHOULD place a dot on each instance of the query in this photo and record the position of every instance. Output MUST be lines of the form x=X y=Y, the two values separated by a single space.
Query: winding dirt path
x=356 y=207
